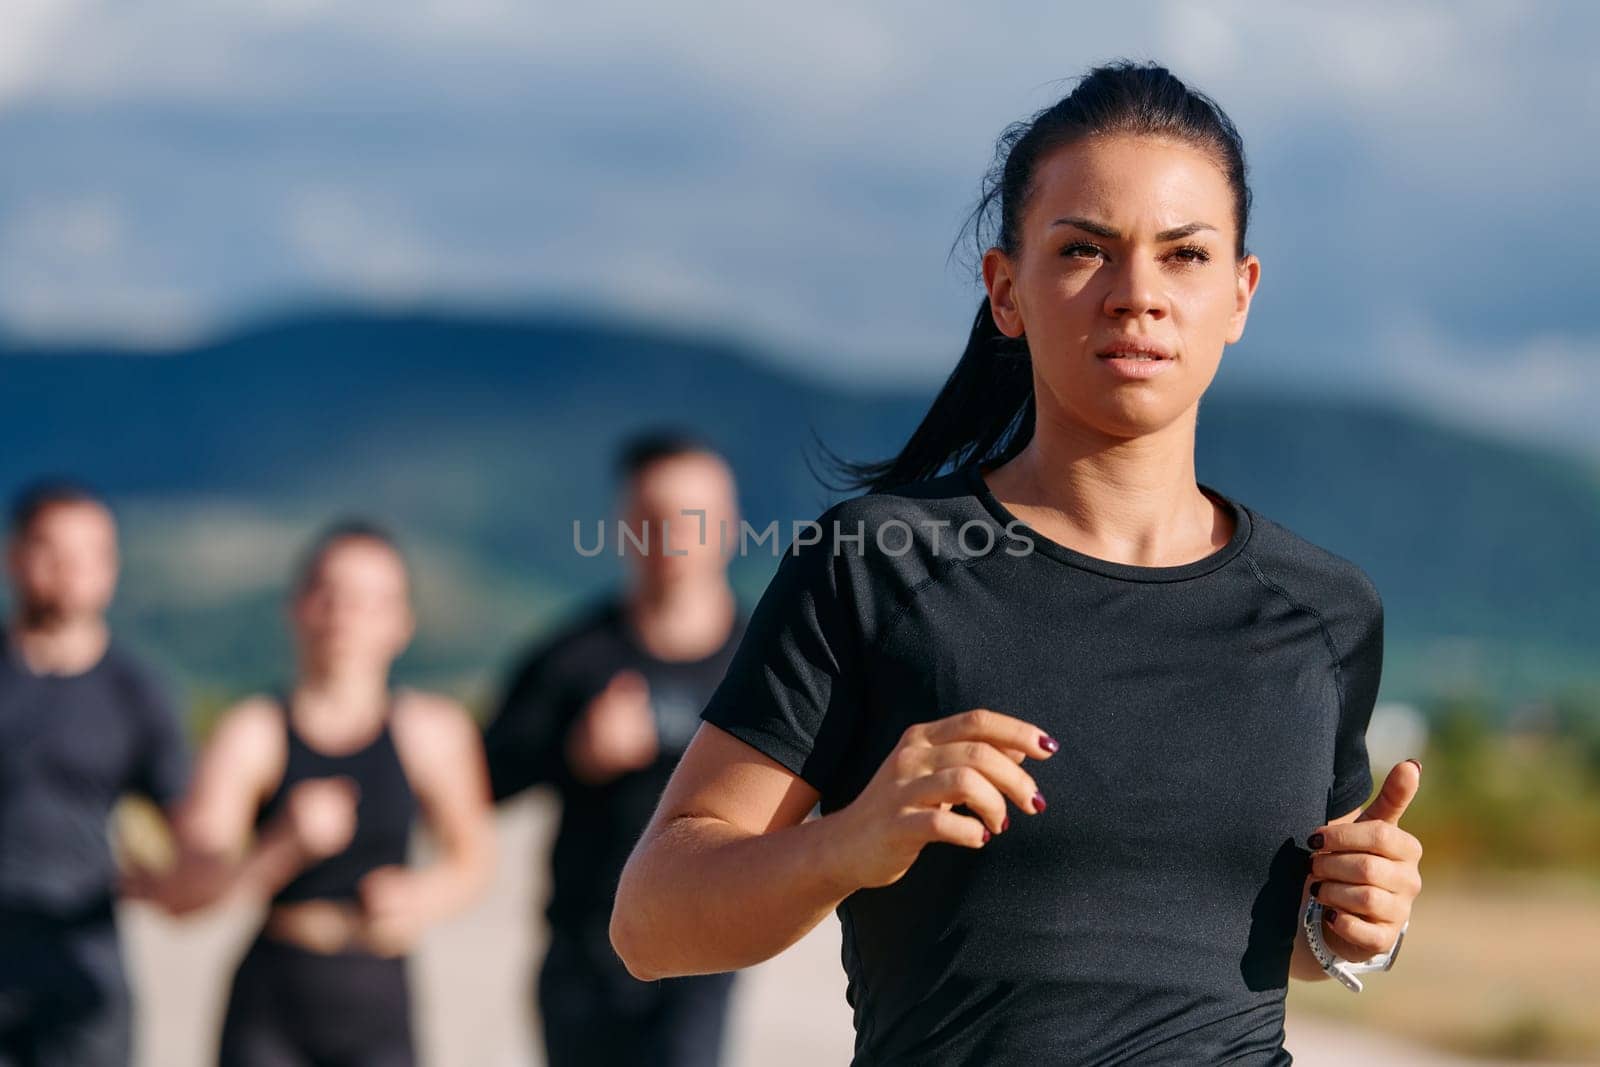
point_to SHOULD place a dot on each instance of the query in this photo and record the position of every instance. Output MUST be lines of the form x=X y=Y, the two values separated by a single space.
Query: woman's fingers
x=959 y=785
x=1368 y=937
x=1375 y=836
x=1364 y=868
x=1017 y=784
x=940 y=824
x=982 y=724
x=1363 y=901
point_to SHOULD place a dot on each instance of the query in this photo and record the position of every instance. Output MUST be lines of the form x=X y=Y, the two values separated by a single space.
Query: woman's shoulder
x=864 y=556
x=421 y=711
x=921 y=520
x=1310 y=573
x=250 y=738
x=431 y=728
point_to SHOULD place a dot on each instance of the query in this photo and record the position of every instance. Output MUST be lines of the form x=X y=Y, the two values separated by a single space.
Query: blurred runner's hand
x=616 y=733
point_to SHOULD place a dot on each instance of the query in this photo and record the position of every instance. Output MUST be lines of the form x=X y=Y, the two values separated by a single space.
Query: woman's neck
x=337 y=705
x=1127 y=500
x=59 y=646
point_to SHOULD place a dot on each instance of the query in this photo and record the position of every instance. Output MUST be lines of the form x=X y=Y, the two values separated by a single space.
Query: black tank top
x=384 y=811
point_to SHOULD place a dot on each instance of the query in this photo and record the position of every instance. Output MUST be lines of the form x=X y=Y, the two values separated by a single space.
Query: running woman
x=307 y=797
x=82 y=722
x=1085 y=732
x=602 y=711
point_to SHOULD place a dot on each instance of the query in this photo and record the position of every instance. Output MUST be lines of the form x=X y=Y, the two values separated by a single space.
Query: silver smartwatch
x=1343 y=970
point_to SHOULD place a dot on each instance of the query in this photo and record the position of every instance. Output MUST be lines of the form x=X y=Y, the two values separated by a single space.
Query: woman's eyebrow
x=1110 y=233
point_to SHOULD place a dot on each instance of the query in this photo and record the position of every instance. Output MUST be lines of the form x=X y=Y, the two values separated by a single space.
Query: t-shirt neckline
x=13 y=656
x=1242 y=529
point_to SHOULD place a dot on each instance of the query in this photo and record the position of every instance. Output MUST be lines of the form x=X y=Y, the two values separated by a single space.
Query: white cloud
x=56 y=248
x=346 y=241
x=30 y=32
x=1545 y=387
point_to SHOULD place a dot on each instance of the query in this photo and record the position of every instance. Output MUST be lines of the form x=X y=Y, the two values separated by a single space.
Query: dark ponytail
x=985 y=410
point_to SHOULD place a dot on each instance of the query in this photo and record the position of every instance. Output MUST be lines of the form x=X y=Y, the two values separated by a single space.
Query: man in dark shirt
x=81 y=723
x=602 y=711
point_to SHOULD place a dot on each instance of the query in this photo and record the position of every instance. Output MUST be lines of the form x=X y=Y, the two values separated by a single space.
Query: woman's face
x=1125 y=240
x=355 y=611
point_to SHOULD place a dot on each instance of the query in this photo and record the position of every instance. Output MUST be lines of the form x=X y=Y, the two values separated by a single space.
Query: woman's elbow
x=632 y=937
x=628 y=938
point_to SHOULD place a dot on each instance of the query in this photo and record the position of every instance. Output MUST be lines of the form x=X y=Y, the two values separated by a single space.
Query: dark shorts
x=595 y=1013
x=63 y=997
x=290 y=1007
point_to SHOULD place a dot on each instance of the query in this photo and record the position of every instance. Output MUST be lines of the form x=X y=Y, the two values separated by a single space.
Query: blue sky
x=796 y=174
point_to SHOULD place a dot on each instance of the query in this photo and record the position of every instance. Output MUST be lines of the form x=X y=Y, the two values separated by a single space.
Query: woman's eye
x=1080 y=250
x=1191 y=254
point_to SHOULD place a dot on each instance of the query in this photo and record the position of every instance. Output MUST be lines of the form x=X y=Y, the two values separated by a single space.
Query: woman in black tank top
x=384 y=811
x=307 y=800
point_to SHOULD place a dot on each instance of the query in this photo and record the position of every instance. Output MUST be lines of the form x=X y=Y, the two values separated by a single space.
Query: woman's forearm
x=274 y=861
x=700 y=895
x=454 y=880
x=202 y=875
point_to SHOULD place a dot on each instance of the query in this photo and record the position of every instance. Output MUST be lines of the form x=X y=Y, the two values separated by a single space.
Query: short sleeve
x=163 y=770
x=793 y=688
x=1360 y=670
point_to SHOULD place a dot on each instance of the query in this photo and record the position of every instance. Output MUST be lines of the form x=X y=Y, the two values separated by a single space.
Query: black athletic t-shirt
x=69 y=747
x=1210 y=716
x=526 y=746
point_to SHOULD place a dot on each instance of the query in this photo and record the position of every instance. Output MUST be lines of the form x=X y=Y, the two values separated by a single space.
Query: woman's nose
x=1135 y=290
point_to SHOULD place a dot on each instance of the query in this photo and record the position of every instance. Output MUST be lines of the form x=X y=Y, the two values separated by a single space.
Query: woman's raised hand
x=1368 y=871
x=973 y=759
x=320 y=814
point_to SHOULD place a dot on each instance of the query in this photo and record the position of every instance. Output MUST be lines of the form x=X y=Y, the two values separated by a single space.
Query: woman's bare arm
x=442 y=753
x=728 y=874
x=218 y=854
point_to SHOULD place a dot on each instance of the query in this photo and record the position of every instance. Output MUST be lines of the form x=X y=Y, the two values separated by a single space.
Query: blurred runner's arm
x=443 y=758
x=213 y=824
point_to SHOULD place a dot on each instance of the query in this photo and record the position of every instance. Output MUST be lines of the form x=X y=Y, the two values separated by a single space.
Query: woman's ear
x=998 y=280
x=1246 y=277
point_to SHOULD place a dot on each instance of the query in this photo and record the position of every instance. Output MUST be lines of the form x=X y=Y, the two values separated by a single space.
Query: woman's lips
x=1134 y=365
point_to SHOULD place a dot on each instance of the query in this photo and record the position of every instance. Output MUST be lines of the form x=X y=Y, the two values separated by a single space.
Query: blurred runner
x=81 y=723
x=602 y=711
x=326 y=778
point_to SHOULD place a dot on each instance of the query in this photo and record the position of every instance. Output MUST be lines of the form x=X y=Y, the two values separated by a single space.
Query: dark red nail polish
x=1048 y=743
x=1038 y=802
x=986 y=836
x=1005 y=824
x=1315 y=841
x=1328 y=914
x=1314 y=887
